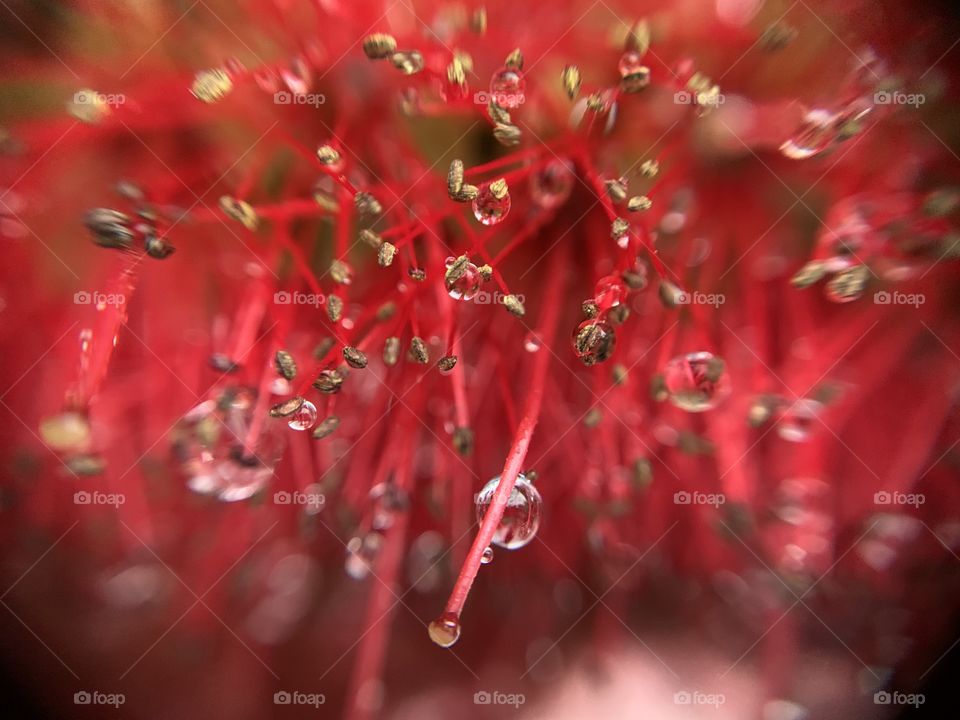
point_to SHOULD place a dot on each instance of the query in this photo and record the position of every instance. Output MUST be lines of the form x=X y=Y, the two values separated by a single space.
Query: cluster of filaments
x=228 y=444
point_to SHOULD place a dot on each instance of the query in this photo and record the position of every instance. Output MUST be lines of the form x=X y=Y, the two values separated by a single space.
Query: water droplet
x=304 y=418
x=467 y=285
x=488 y=208
x=532 y=342
x=361 y=554
x=507 y=87
x=552 y=184
x=594 y=341
x=797 y=422
x=215 y=451
x=609 y=292
x=487 y=556
x=445 y=630
x=521 y=516
x=696 y=381
x=815 y=134
x=386 y=500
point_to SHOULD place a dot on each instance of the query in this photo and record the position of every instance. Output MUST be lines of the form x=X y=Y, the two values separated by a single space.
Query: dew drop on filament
x=304 y=418
x=488 y=208
x=594 y=341
x=532 y=342
x=697 y=381
x=445 y=630
x=521 y=516
x=467 y=285
x=487 y=556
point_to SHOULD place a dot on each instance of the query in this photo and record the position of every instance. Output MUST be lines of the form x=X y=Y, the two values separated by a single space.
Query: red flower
x=661 y=303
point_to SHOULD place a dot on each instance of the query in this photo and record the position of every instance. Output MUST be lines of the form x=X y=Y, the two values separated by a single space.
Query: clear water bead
x=697 y=381
x=552 y=184
x=488 y=208
x=507 y=87
x=304 y=418
x=487 y=556
x=594 y=341
x=521 y=516
x=445 y=630
x=467 y=285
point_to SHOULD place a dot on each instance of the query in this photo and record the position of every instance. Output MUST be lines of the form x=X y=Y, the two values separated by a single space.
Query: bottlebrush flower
x=563 y=335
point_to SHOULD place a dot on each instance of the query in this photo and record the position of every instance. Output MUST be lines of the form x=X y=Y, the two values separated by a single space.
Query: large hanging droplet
x=594 y=341
x=464 y=284
x=521 y=516
x=223 y=451
x=304 y=418
x=487 y=557
x=445 y=630
x=696 y=381
x=492 y=203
